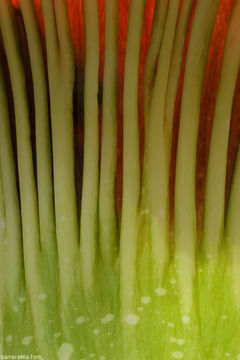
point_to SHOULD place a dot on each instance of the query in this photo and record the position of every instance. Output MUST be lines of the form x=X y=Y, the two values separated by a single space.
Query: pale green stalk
x=60 y=60
x=159 y=18
x=28 y=196
x=107 y=206
x=2 y=239
x=131 y=160
x=185 y=232
x=232 y=223
x=13 y=280
x=214 y=206
x=233 y=231
x=43 y=144
x=89 y=208
x=28 y=192
x=175 y=69
x=156 y=160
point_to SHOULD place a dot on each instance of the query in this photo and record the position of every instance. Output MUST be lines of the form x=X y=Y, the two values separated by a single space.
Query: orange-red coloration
x=209 y=89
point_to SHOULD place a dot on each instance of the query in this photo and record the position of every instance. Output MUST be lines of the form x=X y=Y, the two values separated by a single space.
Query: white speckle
x=185 y=319
x=42 y=296
x=80 y=320
x=238 y=357
x=161 y=291
x=15 y=308
x=66 y=259
x=27 y=340
x=200 y=270
x=9 y=338
x=173 y=339
x=227 y=354
x=111 y=344
x=209 y=256
x=22 y=299
x=158 y=312
x=177 y=355
x=181 y=342
x=62 y=218
x=96 y=332
x=140 y=308
x=145 y=300
x=102 y=358
x=108 y=318
x=91 y=355
x=224 y=317
x=144 y=211
x=173 y=281
x=163 y=321
x=132 y=319
x=65 y=351
x=57 y=334
x=170 y=324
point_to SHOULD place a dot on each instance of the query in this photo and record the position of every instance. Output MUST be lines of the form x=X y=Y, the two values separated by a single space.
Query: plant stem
x=185 y=232
x=131 y=160
x=13 y=280
x=43 y=144
x=89 y=209
x=107 y=217
x=174 y=72
x=159 y=19
x=214 y=206
x=156 y=161
x=60 y=61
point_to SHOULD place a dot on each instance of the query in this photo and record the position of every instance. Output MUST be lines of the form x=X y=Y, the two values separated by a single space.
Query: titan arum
x=81 y=277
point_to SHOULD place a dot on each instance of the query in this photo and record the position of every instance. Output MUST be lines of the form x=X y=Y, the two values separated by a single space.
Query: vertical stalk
x=156 y=161
x=89 y=208
x=175 y=69
x=159 y=19
x=43 y=144
x=28 y=196
x=60 y=60
x=214 y=206
x=185 y=232
x=107 y=217
x=131 y=160
x=13 y=280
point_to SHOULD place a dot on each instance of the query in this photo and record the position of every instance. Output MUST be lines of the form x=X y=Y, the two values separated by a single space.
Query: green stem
x=156 y=161
x=131 y=160
x=89 y=208
x=175 y=69
x=28 y=195
x=2 y=239
x=214 y=207
x=60 y=61
x=159 y=19
x=43 y=144
x=185 y=232
x=13 y=280
x=107 y=217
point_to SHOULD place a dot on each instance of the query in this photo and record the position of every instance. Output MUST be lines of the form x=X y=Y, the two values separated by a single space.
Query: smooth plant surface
x=103 y=253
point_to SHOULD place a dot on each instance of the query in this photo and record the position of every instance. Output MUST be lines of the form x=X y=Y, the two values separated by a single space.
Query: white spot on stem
x=132 y=319
x=108 y=318
x=145 y=300
x=161 y=291
x=80 y=320
x=65 y=351
x=26 y=341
